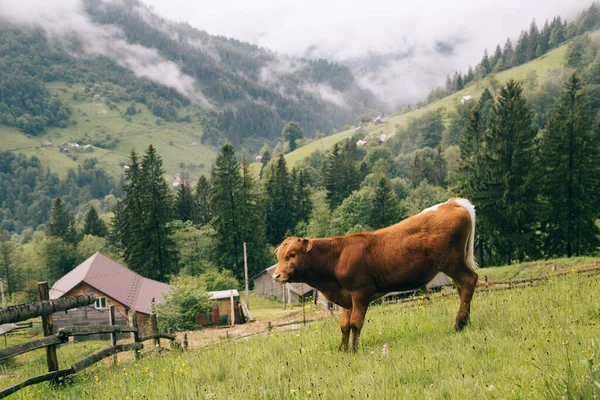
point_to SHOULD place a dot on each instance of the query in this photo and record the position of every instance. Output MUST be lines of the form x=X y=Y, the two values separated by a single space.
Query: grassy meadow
x=534 y=342
x=177 y=143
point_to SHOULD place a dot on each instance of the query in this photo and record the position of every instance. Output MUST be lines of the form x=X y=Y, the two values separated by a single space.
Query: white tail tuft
x=470 y=246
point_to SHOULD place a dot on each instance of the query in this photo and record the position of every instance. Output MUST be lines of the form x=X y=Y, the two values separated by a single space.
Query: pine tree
x=252 y=226
x=520 y=55
x=93 y=225
x=224 y=204
x=161 y=257
x=533 y=42
x=202 y=213
x=510 y=183
x=279 y=202
x=571 y=176
x=9 y=271
x=496 y=58
x=484 y=65
x=127 y=224
x=184 y=201
x=386 y=208
x=61 y=222
x=545 y=38
x=341 y=173
x=507 y=55
x=302 y=202
x=470 y=75
x=557 y=33
x=472 y=173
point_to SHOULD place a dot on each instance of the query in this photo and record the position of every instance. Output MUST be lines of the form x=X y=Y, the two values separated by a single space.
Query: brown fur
x=352 y=270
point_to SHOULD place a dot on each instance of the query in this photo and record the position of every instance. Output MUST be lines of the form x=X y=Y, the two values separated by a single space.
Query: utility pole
x=2 y=291
x=246 y=274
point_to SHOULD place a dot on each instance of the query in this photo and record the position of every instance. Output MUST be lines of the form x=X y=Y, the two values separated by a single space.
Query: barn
x=112 y=284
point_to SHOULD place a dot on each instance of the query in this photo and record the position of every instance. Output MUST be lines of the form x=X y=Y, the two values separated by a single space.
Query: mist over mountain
x=246 y=93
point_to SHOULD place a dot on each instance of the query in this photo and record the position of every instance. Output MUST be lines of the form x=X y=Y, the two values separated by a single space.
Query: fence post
x=133 y=322
x=185 y=341
x=44 y=294
x=154 y=324
x=113 y=336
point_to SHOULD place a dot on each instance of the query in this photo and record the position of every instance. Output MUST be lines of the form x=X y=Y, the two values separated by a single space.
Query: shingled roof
x=114 y=280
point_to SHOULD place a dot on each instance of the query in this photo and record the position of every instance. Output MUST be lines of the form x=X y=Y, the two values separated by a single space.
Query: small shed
x=265 y=286
x=227 y=303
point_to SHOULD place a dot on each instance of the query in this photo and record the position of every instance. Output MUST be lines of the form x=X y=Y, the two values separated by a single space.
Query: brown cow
x=353 y=270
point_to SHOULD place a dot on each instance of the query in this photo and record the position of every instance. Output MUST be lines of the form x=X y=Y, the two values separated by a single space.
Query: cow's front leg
x=357 y=318
x=345 y=327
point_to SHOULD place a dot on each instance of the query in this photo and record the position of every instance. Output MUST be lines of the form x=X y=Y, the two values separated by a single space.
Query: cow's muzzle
x=279 y=278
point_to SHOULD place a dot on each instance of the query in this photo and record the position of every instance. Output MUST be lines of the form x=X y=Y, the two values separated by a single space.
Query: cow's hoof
x=460 y=324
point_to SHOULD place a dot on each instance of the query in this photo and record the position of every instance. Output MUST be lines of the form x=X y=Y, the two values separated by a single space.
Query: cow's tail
x=470 y=245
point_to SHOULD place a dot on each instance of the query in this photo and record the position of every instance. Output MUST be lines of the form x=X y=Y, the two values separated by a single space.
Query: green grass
x=175 y=142
x=263 y=310
x=535 y=343
x=533 y=268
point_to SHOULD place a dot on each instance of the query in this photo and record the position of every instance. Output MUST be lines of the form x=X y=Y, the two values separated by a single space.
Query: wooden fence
x=45 y=308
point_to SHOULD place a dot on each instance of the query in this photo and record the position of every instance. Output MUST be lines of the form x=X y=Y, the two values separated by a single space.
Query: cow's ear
x=277 y=249
x=307 y=245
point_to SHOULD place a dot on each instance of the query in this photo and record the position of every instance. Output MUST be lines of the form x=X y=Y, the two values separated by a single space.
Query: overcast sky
x=342 y=30
x=333 y=29
x=352 y=28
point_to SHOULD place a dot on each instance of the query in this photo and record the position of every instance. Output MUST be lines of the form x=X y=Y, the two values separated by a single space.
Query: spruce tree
x=507 y=55
x=279 y=202
x=202 y=214
x=93 y=225
x=184 y=201
x=484 y=65
x=520 y=55
x=386 y=208
x=301 y=200
x=61 y=222
x=224 y=204
x=252 y=225
x=510 y=165
x=472 y=173
x=161 y=257
x=496 y=58
x=571 y=185
x=127 y=224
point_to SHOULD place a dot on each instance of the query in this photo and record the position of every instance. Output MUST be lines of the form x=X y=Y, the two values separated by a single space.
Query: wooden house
x=112 y=284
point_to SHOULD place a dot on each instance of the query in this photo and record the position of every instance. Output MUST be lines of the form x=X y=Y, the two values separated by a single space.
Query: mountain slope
x=553 y=60
x=116 y=75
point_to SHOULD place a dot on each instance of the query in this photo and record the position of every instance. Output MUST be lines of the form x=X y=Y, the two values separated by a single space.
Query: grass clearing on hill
x=553 y=60
x=534 y=342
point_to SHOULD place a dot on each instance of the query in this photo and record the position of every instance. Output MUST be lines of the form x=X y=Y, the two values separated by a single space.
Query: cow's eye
x=292 y=255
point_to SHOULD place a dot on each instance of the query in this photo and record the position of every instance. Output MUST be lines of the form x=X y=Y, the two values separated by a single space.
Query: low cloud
x=66 y=19
x=434 y=38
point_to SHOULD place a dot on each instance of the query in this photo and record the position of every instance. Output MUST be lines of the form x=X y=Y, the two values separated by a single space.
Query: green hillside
x=553 y=60
x=94 y=121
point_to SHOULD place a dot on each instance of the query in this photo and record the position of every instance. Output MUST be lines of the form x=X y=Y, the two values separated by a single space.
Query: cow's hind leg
x=345 y=327
x=466 y=280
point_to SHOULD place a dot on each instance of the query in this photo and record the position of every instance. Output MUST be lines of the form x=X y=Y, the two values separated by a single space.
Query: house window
x=100 y=303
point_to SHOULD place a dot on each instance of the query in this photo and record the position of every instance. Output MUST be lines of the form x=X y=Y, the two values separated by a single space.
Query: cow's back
x=409 y=254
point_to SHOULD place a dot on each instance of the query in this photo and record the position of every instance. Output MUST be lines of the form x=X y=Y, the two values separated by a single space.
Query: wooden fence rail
x=36 y=309
x=45 y=308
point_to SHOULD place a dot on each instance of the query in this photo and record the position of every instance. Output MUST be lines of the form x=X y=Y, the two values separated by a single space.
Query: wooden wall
x=86 y=316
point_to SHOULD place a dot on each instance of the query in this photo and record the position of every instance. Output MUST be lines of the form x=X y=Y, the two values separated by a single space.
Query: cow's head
x=290 y=256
